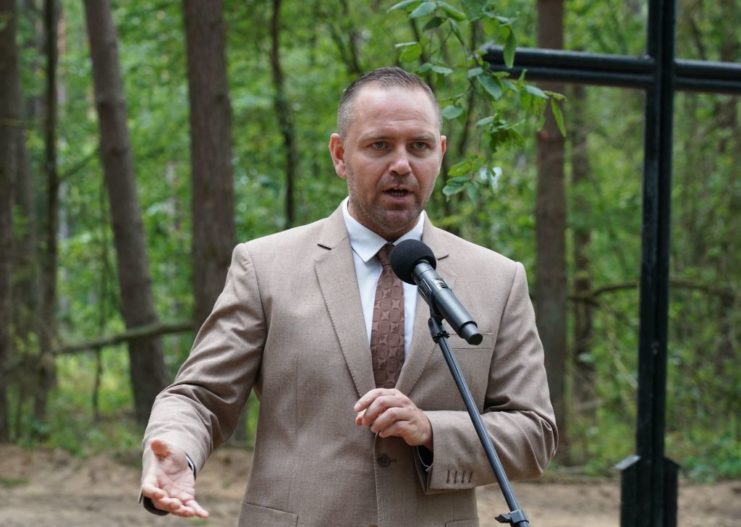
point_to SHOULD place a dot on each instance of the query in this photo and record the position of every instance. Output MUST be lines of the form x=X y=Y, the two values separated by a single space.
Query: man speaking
x=360 y=421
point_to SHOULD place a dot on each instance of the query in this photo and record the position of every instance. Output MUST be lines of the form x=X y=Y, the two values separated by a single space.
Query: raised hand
x=168 y=480
x=390 y=413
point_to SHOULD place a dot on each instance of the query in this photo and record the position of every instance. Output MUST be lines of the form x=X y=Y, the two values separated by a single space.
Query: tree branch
x=148 y=331
x=724 y=292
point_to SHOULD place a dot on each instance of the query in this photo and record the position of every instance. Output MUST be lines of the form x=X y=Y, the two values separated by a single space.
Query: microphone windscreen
x=406 y=255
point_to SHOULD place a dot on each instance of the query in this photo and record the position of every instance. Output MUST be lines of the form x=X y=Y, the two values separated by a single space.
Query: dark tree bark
x=146 y=368
x=10 y=126
x=284 y=113
x=344 y=34
x=212 y=177
x=550 y=228
x=584 y=374
x=46 y=370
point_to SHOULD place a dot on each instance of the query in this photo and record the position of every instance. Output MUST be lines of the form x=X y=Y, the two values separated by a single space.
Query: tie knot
x=383 y=254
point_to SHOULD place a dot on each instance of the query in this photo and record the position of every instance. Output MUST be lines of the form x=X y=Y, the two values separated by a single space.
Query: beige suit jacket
x=289 y=324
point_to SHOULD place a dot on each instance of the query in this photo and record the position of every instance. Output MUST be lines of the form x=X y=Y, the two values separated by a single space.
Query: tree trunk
x=212 y=201
x=550 y=227
x=284 y=114
x=146 y=367
x=726 y=115
x=584 y=375
x=9 y=130
x=46 y=375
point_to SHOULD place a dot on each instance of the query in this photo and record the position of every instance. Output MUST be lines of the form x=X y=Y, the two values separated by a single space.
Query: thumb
x=160 y=448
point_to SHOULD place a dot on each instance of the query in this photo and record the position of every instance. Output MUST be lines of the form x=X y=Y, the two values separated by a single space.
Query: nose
x=400 y=163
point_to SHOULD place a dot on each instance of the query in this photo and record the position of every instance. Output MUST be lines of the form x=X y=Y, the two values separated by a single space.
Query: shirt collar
x=366 y=243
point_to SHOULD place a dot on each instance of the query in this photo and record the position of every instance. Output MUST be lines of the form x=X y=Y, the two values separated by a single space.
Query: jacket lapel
x=423 y=346
x=335 y=272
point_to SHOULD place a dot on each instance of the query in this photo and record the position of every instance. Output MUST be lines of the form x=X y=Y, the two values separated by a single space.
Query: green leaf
x=455 y=184
x=508 y=84
x=535 y=91
x=472 y=191
x=402 y=5
x=410 y=53
x=464 y=167
x=451 y=112
x=510 y=46
x=424 y=9
x=433 y=23
x=493 y=175
x=492 y=86
x=457 y=32
x=473 y=9
x=450 y=190
x=558 y=116
x=424 y=68
x=475 y=72
x=452 y=11
x=485 y=121
x=405 y=44
x=442 y=70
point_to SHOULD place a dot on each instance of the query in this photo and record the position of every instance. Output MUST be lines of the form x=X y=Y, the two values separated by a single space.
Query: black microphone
x=414 y=263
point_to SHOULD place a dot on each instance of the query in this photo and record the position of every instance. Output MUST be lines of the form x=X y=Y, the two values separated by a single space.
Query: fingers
x=376 y=402
x=197 y=509
x=390 y=413
x=184 y=506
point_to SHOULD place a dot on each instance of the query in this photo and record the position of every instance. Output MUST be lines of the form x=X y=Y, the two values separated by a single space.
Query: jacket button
x=383 y=460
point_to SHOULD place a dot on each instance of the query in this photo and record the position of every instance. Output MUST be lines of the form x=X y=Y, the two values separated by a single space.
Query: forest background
x=141 y=140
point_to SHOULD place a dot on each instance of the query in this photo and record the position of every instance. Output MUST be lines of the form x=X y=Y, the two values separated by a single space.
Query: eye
x=378 y=145
x=419 y=146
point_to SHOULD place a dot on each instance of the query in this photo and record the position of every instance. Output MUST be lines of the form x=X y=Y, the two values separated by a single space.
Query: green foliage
x=486 y=191
x=447 y=47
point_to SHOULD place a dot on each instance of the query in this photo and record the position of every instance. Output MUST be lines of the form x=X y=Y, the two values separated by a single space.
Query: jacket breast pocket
x=474 y=362
x=259 y=516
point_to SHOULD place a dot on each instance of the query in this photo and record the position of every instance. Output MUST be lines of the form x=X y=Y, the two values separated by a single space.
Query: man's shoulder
x=466 y=251
x=294 y=243
x=288 y=237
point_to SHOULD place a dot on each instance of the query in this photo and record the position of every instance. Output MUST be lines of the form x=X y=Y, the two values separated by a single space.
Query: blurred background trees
x=228 y=108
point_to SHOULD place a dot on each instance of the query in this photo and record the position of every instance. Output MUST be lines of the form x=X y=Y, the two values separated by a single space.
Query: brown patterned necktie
x=387 y=333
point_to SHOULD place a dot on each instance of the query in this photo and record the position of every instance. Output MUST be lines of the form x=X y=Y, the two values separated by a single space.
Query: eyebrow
x=385 y=137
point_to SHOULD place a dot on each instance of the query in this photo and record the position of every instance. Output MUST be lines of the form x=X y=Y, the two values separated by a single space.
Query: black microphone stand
x=516 y=516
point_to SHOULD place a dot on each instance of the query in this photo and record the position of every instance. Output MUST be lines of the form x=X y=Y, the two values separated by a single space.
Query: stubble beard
x=388 y=223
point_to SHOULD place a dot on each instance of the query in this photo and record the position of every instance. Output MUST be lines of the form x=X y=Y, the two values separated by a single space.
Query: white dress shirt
x=365 y=244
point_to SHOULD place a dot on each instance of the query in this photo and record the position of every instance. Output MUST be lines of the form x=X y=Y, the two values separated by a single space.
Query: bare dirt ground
x=46 y=488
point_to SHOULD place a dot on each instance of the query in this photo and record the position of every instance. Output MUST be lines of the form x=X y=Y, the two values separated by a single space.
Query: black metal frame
x=649 y=480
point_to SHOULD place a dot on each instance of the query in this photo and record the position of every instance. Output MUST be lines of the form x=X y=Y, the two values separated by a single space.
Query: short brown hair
x=387 y=77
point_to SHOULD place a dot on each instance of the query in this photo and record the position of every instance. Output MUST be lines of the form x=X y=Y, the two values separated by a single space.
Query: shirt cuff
x=425 y=457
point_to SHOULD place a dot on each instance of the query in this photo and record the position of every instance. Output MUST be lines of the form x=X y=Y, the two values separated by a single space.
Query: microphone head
x=406 y=255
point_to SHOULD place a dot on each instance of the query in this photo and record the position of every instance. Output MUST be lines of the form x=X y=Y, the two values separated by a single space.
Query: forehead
x=376 y=106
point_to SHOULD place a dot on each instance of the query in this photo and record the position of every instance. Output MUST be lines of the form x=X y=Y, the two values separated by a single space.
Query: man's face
x=390 y=157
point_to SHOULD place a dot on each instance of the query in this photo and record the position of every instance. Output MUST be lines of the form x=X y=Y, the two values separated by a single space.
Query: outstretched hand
x=168 y=480
x=390 y=413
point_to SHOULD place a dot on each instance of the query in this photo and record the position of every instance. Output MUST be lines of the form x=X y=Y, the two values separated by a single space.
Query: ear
x=337 y=152
x=443 y=144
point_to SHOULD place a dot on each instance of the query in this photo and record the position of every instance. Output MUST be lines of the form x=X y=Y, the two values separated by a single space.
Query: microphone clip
x=435 y=323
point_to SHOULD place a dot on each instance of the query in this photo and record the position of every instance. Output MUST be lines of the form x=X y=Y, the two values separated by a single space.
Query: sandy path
x=45 y=488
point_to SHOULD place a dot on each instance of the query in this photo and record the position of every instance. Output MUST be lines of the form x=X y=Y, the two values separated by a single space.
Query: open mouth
x=397 y=192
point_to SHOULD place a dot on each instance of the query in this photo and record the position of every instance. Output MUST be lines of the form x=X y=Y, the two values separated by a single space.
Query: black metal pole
x=600 y=69
x=649 y=482
x=516 y=516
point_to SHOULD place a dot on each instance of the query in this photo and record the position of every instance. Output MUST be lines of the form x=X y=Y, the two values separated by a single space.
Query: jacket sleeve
x=517 y=411
x=201 y=408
